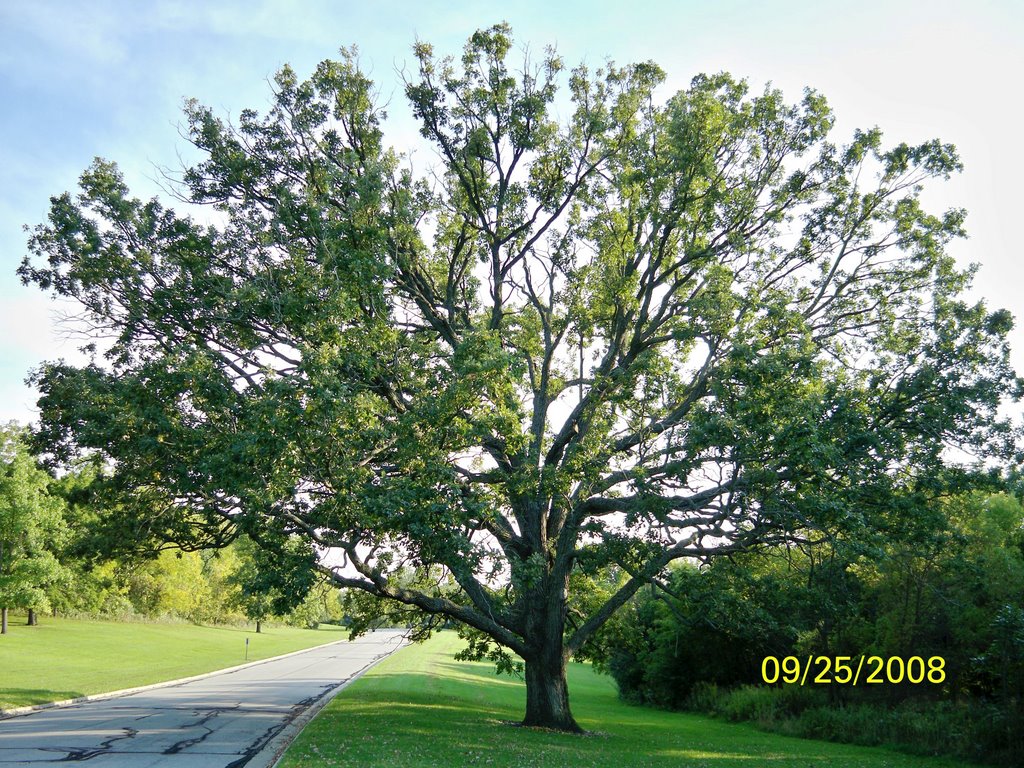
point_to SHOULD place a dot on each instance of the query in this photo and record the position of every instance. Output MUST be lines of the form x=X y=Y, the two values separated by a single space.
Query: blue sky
x=86 y=79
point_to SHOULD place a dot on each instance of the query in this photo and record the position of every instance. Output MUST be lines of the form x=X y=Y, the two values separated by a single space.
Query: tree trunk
x=547 y=697
x=257 y=626
x=547 y=693
x=32 y=620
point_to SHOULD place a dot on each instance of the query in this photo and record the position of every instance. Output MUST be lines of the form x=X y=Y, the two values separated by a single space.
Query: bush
x=756 y=703
x=705 y=697
x=794 y=700
x=750 y=702
x=974 y=730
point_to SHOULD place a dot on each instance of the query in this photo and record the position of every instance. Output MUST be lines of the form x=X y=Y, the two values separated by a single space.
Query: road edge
x=271 y=753
x=16 y=711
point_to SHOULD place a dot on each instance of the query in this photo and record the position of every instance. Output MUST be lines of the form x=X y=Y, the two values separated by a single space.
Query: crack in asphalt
x=200 y=723
x=297 y=709
x=77 y=755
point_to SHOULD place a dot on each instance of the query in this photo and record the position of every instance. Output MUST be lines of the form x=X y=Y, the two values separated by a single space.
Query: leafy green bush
x=706 y=697
x=968 y=729
x=750 y=702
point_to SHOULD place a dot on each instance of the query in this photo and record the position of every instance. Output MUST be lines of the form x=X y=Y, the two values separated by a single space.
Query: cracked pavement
x=220 y=721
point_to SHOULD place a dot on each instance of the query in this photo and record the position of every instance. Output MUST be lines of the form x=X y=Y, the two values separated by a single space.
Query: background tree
x=170 y=584
x=652 y=330
x=30 y=526
x=322 y=604
x=250 y=596
x=94 y=580
x=937 y=590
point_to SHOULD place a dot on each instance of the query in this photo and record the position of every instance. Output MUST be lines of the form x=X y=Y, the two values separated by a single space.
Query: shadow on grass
x=457 y=670
x=403 y=693
x=27 y=697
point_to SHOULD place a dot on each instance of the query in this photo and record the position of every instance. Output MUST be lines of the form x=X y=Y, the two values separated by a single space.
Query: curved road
x=220 y=721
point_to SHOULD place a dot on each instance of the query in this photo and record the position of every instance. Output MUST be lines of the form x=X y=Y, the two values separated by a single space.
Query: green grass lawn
x=65 y=658
x=421 y=708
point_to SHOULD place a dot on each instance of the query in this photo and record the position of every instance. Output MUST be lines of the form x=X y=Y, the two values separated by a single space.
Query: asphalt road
x=221 y=721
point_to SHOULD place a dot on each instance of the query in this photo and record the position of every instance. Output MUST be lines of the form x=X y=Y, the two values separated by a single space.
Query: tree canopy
x=604 y=329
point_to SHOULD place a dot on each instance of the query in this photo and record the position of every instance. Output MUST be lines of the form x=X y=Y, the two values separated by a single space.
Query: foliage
x=975 y=730
x=953 y=590
x=939 y=594
x=30 y=526
x=85 y=585
x=706 y=627
x=225 y=586
x=646 y=331
x=264 y=587
x=56 y=554
x=322 y=604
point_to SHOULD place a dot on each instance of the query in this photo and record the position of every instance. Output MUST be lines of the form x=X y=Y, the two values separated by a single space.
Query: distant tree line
x=60 y=556
x=943 y=582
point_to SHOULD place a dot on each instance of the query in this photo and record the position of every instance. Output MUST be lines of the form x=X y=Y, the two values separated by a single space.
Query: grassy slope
x=64 y=658
x=420 y=708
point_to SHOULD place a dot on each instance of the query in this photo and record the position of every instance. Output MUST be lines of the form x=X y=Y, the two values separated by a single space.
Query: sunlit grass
x=65 y=658
x=421 y=708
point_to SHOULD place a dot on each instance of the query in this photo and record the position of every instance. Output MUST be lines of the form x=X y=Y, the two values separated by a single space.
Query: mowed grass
x=421 y=708
x=65 y=658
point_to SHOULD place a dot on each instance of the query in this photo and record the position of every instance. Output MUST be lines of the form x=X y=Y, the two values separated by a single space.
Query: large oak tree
x=597 y=329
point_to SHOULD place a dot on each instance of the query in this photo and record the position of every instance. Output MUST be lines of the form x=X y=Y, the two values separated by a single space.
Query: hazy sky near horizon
x=86 y=79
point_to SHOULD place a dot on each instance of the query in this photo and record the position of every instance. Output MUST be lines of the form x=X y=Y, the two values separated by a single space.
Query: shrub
x=749 y=702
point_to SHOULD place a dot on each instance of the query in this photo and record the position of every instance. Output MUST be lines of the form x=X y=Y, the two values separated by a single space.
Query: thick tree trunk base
x=3 y=621
x=258 y=628
x=547 y=698
x=572 y=729
x=32 y=619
